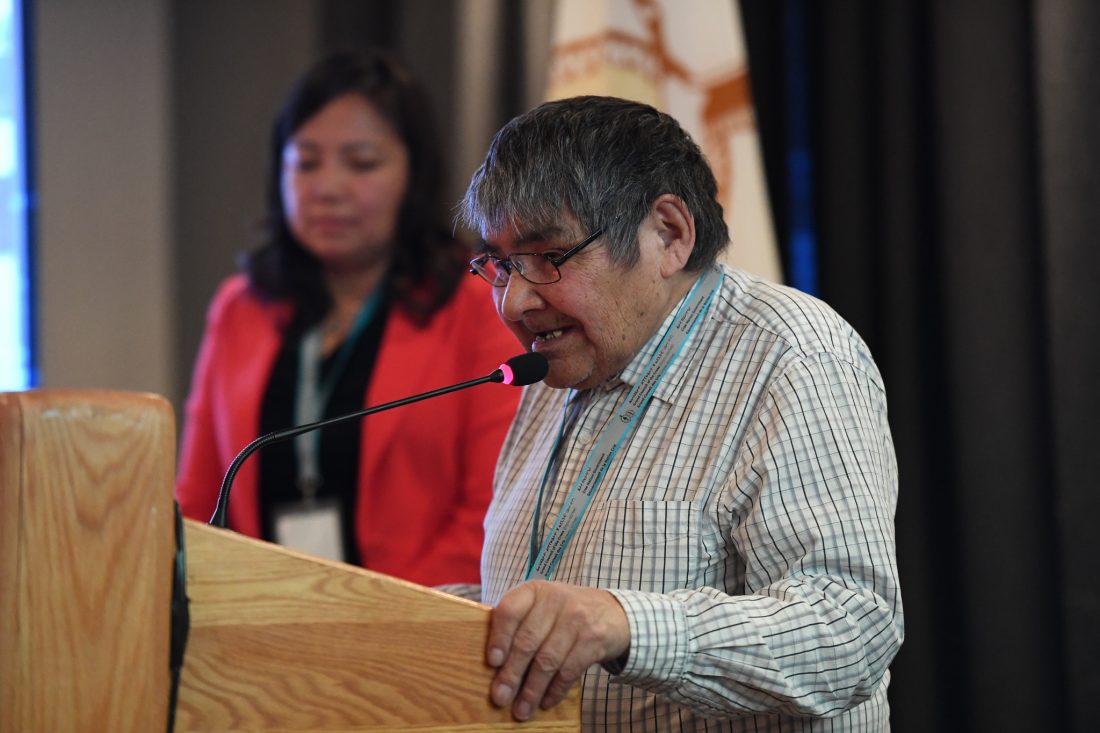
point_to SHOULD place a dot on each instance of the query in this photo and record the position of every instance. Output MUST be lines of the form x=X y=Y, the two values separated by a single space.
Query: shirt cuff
x=659 y=646
x=469 y=591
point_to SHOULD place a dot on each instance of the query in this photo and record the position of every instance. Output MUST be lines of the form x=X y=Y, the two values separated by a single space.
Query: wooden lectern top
x=284 y=641
x=279 y=641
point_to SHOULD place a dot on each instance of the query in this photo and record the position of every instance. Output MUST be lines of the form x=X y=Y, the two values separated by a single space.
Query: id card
x=313 y=528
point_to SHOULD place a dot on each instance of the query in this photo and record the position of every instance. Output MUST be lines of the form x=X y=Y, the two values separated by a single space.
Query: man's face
x=593 y=321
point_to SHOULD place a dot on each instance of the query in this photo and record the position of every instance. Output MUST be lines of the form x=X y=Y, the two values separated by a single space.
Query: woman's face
x=344 y=176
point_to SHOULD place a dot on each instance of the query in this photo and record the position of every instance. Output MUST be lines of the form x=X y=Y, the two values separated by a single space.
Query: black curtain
x=956 y=189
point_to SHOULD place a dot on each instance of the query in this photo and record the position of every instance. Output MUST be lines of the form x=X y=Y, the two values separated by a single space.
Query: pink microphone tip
x=527 y=368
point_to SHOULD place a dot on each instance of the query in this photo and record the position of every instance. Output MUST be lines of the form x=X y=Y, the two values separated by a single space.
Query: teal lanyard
x=569 y=414
x=313 y=393
x=541 y=566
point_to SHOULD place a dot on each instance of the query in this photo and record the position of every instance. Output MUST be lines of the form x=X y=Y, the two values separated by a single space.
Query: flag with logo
x=687 y=58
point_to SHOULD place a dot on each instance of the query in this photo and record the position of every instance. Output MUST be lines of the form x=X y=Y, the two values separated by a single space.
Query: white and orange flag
x=687 y=58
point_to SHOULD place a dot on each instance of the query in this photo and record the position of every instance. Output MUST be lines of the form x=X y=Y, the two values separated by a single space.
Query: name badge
x=313 y=528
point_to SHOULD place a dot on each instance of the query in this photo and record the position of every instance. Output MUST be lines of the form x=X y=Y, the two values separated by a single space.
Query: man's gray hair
x=602 y=160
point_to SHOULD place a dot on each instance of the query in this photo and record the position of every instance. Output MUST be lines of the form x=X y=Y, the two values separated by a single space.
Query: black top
x=339 y=444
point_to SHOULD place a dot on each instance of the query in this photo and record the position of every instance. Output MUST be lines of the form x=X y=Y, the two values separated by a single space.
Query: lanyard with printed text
x=542 y=566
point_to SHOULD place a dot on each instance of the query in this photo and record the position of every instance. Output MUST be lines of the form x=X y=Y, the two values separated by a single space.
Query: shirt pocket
x=646 y=545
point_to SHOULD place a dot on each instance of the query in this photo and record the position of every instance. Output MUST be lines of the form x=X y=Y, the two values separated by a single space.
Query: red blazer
x=426 y=469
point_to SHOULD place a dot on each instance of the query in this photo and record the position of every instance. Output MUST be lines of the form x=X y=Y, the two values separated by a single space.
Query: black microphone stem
x=220 y=512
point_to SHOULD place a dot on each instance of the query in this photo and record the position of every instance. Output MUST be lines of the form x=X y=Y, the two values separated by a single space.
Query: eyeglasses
x=540 y=268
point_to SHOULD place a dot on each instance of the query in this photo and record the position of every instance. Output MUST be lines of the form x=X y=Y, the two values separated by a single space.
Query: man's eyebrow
x=546 y=234
x=552 y=233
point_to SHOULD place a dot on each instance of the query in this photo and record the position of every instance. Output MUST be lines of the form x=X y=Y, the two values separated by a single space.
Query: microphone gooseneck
x=518 y=371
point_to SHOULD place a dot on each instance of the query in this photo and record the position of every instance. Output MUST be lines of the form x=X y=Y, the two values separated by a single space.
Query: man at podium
x=693 y=514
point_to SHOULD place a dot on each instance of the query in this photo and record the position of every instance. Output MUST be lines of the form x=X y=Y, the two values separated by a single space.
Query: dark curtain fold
x=1067 y=36
x=957 y=180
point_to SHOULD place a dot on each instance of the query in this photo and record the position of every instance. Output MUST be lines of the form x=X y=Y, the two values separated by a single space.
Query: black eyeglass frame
x=507 y=264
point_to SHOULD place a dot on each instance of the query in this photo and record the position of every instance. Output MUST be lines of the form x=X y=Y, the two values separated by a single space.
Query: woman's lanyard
x=313 y=393
x=541 y=566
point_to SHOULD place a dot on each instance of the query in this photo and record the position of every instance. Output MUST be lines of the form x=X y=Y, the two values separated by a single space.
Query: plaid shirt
x=746 y=526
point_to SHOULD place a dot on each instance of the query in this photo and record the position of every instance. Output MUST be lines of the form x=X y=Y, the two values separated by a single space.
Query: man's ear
x=676 y=227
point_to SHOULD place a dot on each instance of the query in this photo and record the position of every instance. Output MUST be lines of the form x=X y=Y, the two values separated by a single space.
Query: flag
x=686 y=58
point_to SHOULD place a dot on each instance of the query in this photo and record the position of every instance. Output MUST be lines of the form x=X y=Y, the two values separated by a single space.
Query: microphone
x=519 y=371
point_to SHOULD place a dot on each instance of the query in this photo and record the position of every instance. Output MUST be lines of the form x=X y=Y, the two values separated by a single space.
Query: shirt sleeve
x=807 y=513
x=469 y=591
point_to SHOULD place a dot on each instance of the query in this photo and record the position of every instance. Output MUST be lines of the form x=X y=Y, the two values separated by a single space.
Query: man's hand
x=543 y=636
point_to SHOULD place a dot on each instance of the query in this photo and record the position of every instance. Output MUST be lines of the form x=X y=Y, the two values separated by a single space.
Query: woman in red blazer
x=357 y=297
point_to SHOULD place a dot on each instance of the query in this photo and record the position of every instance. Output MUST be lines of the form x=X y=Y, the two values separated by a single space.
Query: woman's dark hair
x=427 y=260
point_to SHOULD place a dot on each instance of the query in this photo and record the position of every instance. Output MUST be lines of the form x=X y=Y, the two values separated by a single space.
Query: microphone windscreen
x=519 y=371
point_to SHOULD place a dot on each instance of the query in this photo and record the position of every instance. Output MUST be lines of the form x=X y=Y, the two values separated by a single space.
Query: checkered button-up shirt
x=746 y=526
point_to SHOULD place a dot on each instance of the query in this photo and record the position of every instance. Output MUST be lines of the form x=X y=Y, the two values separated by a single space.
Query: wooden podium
x=279 y=641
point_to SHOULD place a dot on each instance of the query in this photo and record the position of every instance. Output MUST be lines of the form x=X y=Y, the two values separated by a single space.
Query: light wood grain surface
x=282 y=641
x=85 y=559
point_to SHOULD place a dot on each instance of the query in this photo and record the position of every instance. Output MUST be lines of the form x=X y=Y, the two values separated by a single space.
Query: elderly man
x=693 y=514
